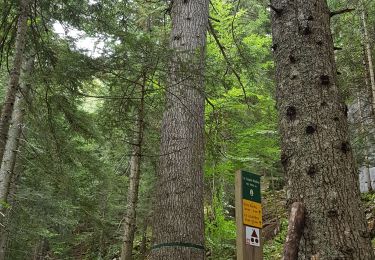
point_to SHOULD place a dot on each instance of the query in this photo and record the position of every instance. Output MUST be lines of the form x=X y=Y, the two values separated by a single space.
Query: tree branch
x=214 y=19
x=276 y=10
x=222 y=50
x=295 y=230
x=346 y=10
x=210 y=103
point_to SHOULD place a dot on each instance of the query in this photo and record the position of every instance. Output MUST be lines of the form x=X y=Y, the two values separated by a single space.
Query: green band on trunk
x=178 y=244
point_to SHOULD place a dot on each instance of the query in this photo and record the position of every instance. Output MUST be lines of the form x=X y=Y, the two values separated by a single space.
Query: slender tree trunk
x=135 y=171
x=6 y=171
x=4 y=234
x=10 y=96
x=369 y=76
x=369 y=63
x=9 y=180
x=11 y=147
x=178 y=223
x=316 y=153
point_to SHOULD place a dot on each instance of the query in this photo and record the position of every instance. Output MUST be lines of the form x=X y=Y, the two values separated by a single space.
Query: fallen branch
x=295 y=230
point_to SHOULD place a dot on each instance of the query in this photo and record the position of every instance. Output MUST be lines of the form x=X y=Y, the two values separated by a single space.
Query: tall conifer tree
x=316 y=153
x=178 y=221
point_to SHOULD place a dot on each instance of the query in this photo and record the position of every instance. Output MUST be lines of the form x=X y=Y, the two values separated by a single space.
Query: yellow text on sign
x=252 y=213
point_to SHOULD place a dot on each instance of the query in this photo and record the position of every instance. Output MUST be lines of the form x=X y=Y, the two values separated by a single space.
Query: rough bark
x=6 y=170
x=11 y=147
x=295 y=230
x=8 y=180
x=178 y=224
x=135 y=171
x=316 y=153
x=4 y=233
x=10 y=96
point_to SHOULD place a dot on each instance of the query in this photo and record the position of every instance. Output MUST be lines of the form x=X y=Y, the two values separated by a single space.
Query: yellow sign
x=252 y=213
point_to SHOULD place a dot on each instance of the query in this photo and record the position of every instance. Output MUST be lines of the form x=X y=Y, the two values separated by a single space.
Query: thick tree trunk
x=135 y=171
x=10 y=96
x=178 y=224
x=316 y=153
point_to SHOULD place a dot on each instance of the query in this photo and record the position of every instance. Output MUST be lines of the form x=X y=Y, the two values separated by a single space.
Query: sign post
x=248 y=216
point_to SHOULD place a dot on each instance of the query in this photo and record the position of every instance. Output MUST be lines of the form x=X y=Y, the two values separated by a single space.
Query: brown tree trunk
x=14 y=133
x=178 y=223
x=135 y=171
x=10 y=96
x=6 y=171
x=4 y=233
x=8 y=180
x=316 y=153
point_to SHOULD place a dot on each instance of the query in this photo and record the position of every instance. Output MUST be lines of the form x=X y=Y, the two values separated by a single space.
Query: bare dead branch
x=346 y=10
x=276 y=10
x=295 y=230
x=214 y=19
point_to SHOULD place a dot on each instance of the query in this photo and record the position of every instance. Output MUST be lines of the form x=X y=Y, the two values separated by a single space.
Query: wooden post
x=240 y=240
x=248 y=242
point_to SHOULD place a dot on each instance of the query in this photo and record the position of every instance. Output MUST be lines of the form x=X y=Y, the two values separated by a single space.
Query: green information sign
x=251 y=186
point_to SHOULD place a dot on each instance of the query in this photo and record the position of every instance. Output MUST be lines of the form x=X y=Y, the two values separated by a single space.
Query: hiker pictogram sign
x=252 y=236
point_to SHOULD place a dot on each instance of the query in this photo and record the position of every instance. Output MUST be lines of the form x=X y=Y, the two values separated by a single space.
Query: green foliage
x=220 y=230
x=368 y=197
x=273 y=249
x=80 y=116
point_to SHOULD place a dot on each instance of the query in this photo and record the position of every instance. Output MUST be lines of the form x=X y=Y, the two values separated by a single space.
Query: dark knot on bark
x=310 y=129
x=291 y=112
